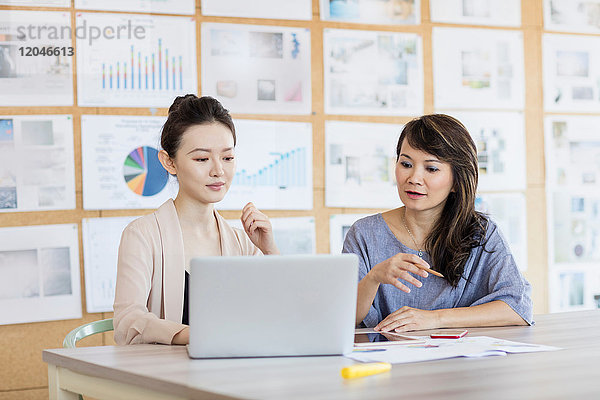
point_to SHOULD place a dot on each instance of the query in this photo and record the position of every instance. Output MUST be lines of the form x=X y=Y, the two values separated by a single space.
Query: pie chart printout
x=143 y=173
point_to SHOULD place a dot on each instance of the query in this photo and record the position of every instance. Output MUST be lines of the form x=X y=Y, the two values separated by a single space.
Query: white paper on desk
x=383 y=345
x=437 y=349
x=511 y=347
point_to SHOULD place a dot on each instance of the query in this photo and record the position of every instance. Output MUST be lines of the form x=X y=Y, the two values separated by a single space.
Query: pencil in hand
x=422 y=264
x=429 y=270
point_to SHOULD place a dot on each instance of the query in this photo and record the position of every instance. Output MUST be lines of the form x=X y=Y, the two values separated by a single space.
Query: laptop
x=266 y=306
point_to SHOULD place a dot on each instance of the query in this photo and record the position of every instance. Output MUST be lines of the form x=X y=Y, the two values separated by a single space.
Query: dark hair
x=459 y=228
x=192 y=110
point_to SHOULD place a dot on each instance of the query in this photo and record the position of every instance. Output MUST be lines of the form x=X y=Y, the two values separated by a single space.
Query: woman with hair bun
x=438 y=228
x=198 y=141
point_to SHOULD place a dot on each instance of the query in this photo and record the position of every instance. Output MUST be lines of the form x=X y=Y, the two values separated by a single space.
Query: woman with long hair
x=438 y=228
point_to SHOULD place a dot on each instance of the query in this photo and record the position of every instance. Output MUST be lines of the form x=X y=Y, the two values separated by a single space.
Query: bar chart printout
x=158 y=71
x=137 y=71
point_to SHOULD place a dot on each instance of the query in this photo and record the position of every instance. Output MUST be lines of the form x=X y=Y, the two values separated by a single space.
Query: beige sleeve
x=248 y=248
x=133 y=322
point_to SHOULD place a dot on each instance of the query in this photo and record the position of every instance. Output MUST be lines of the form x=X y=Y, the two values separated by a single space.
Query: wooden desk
x=156 y=371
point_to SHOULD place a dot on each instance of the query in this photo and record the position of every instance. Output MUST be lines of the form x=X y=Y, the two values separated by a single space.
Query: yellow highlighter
x=358 y=370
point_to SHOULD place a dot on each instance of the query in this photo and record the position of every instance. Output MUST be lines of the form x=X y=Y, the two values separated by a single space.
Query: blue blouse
x=488 y=275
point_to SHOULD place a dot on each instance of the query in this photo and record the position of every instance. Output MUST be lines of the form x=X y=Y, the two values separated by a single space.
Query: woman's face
x=424 y=182
x=205 y=162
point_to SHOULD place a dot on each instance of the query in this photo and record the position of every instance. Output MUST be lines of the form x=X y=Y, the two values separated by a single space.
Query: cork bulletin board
x=22 y=372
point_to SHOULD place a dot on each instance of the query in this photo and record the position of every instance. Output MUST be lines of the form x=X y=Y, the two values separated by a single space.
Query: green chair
x=86 y=330
x=104 y=325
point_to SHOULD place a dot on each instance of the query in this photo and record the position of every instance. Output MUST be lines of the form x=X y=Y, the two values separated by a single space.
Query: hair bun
x=192 y=110
x=179 y=100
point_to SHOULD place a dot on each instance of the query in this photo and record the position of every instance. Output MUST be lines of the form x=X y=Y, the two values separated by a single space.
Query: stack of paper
x=436 y=349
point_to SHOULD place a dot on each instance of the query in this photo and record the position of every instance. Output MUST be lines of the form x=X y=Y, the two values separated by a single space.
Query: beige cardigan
x=150 y=275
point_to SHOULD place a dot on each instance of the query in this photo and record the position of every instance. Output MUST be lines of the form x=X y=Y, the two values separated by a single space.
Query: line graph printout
x=257 y=69
x=271 y=9
x=148 y=65
x=149 y=6
x=360 y=160
x=478 y=68
x=120 y=165
x=507 y=210
x=293 y=235
x=477 y=12
x=372 y=73
x=571 y=73
x=39 y=266
x=27 y=77
x=101 y=238
x=37 y=171
x=273 y=166
x=500 y=140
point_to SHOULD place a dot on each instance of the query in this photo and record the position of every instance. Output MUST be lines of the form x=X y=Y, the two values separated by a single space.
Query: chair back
x=86 y=330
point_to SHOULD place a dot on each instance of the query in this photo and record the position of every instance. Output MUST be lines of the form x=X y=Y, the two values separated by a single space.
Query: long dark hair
x=460 y=228
x=192 y=110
